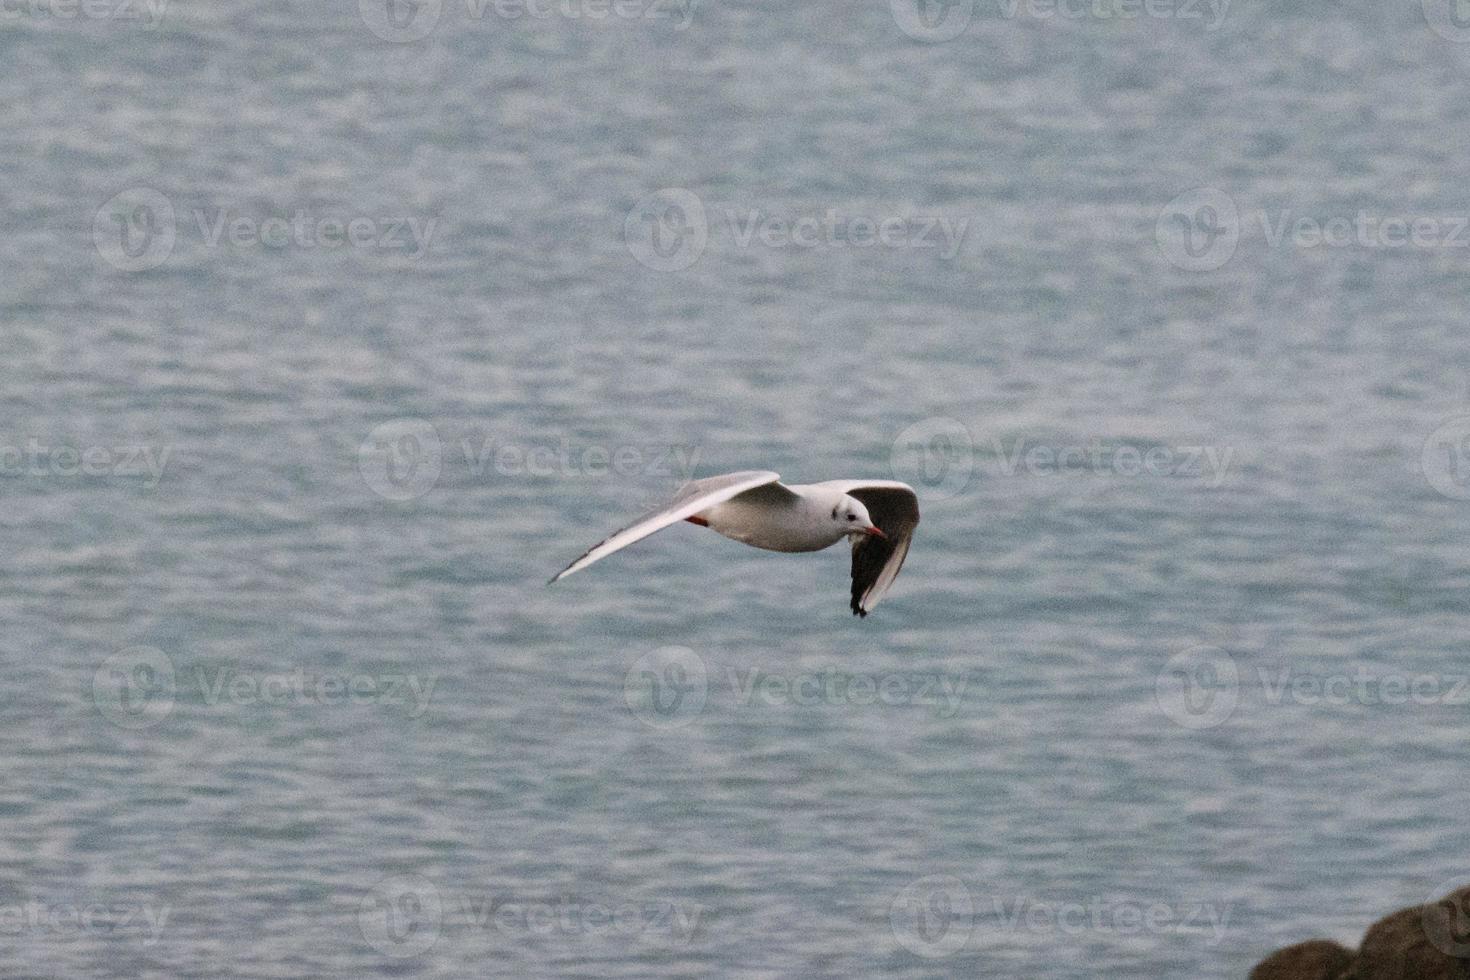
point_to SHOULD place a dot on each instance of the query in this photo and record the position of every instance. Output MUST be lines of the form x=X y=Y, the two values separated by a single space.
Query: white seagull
x=755 y=507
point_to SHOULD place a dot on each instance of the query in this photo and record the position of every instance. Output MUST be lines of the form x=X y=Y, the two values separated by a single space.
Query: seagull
x=756 y=508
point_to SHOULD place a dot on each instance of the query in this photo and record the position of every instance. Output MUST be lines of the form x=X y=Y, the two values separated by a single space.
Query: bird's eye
x=852 y=517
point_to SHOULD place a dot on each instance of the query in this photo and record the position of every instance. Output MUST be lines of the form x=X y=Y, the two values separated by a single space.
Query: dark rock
x=1315 y=959
x=1423 y=942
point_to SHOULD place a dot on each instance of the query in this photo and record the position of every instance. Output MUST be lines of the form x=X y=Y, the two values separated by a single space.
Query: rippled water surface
x=332 y=330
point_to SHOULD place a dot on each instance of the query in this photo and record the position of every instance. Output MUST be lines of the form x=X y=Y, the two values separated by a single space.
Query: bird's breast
x=774 y=528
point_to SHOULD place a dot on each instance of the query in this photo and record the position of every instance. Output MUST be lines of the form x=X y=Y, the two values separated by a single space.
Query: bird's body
x=796 y=521
x=755 y=508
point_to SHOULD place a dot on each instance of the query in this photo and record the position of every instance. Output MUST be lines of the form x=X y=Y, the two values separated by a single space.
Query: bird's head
x=851 y=516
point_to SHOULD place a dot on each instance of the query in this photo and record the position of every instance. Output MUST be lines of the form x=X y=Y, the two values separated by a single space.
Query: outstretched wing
x=894 y=507
x=693 y=497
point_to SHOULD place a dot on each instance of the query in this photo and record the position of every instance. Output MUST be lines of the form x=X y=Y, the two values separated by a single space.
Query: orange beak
x=874 y=532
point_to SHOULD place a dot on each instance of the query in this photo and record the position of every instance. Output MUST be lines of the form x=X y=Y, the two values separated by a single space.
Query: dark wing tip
x=864 y=572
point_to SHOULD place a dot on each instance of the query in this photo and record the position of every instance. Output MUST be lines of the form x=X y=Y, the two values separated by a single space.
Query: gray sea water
x=333 y=330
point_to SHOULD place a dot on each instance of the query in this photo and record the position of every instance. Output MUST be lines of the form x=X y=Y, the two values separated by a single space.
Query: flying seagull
x=755 y=507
